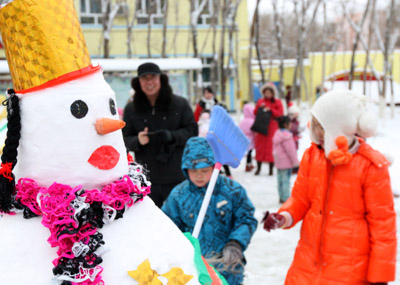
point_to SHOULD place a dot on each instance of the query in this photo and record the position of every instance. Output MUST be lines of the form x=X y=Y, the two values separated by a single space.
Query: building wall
x=179 y=40
x=334 y=62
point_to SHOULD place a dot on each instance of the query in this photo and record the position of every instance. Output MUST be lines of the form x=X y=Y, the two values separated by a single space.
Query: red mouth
x=105 y=157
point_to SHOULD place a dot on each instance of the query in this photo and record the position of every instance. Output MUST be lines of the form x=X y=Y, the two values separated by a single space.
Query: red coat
x=348 y=235
x=262 y=143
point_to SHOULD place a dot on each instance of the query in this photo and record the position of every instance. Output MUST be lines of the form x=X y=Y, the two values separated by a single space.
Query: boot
x=249 y=167
x=258 y=168
x=271 y=168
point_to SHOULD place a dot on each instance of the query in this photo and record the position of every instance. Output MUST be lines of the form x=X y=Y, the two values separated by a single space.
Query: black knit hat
x=148 y=68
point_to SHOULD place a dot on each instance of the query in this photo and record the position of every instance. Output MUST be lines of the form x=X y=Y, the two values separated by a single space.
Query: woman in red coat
x=343 y=196
x=263 y=143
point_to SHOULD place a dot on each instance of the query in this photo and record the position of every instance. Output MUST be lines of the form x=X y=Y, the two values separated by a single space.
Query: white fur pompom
x=367 y=124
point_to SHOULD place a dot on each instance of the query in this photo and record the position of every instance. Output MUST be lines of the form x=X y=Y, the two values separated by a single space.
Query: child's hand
x=232 y=254
x=341 y=155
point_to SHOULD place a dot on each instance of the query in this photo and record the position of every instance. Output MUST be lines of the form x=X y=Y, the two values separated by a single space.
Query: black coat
x=163 y=161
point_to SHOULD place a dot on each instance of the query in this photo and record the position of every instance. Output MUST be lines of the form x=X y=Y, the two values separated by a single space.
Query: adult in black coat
x=158 y=124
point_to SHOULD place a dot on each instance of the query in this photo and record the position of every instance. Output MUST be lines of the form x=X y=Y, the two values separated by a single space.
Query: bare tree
x=194 y=18
x=109 y=12
x=221 y=57
x=390 y=19
x=129 y=26
x=164 y=31
x=324 y=32
x=206 y=40
x=251 y=44
x=278 y=36
x=303 y=29
x=176 y=32
x=365 y=46
x=150 y=10
x=214 y=62
x=392 y=45
x=233 y=6
x=358 y=30
x=386 y=47
x=368 y=47
x=257 y=45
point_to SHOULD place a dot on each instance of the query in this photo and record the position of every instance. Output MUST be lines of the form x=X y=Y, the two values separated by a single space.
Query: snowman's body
x=57 y=146
x=143 y=233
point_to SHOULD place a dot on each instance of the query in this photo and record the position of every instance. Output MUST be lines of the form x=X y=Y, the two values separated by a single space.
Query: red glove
x=340 y=155
x=273 y=221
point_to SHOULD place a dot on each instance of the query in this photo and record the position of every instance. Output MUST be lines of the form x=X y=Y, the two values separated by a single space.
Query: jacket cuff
x=288 y=219
x=381 y=271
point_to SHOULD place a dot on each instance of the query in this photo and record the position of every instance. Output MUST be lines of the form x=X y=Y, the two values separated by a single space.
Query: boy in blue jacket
x=229 y=222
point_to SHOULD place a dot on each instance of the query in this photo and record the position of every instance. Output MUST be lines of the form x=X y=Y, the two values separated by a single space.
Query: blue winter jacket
x=230 y=214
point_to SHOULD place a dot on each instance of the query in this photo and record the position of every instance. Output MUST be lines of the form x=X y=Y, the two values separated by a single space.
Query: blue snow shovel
x=229 y=145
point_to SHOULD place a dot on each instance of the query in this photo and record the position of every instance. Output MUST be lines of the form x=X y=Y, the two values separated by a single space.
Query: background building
x=192 y=29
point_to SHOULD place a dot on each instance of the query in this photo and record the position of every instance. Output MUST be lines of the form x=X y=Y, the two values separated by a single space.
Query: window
x=154 y=8
x=206 y=71
x=91 y=12
x=206 y=14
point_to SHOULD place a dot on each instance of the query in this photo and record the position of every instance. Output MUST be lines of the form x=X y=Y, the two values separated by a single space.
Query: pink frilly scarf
x=73 y=215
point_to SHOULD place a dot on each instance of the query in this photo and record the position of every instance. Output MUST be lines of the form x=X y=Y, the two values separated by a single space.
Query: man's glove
x=232 y=254
x=166 y=136
x=273 y=221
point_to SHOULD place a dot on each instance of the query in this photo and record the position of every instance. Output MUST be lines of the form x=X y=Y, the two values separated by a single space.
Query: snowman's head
x=65 y=120
x=70 y=133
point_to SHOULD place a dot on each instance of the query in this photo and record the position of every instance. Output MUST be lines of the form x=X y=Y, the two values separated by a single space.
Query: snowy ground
x=269 y=255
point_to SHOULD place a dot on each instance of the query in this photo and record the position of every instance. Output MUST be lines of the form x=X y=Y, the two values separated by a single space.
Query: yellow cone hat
x=43 y=41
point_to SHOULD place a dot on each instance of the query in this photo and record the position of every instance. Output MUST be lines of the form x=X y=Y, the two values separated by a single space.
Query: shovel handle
x=206 y=200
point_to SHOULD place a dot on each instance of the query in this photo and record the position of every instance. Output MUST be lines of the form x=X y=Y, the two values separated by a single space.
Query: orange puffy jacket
x=348 y=235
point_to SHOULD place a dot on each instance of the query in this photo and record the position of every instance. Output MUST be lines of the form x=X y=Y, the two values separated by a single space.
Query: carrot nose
x=105 y=125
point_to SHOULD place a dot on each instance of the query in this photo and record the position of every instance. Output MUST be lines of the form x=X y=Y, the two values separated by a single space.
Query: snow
x=269 y=255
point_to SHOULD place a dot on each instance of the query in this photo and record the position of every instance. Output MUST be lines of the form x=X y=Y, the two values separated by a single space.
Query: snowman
x=73 y=210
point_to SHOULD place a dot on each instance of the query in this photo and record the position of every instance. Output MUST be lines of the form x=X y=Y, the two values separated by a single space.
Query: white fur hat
x=270 y=86
x=343 y=113
x=293 y=109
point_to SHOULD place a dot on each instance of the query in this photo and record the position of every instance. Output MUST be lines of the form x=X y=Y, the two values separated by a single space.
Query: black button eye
x=79 y=109
x=113 y=109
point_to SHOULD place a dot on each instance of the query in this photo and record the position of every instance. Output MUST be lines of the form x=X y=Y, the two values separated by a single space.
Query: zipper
x=153 y=110
x=324 y=217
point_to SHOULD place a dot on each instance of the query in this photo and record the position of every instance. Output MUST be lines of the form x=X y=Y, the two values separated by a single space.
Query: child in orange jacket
x=343 y=196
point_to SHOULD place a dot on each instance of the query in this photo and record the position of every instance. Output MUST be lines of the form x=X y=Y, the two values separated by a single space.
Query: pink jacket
x=247 y=122
x=284 y=150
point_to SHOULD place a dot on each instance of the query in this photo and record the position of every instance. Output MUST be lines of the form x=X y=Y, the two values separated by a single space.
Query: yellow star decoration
x=176 y=276
x=145 y=275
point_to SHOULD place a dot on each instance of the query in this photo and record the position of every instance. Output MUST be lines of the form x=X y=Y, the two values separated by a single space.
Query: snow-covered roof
x=276 y=62
x=122 y=65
